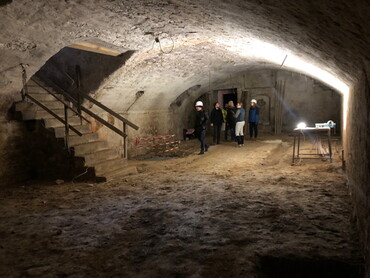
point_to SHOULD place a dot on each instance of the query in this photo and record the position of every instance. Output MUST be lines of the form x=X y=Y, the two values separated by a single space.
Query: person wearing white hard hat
x=201 y=121
x=253 y=119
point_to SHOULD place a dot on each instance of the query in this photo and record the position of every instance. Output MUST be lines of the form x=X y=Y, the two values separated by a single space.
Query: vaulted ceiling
x=199 y=41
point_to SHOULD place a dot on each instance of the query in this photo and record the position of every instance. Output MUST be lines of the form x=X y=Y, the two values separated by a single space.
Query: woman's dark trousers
x=216 y=134
x=253 y=128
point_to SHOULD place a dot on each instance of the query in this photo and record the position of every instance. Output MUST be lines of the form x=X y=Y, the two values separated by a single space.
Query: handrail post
x=124 y=141
x=66 y=129
x=24 y=80
x=78 y=77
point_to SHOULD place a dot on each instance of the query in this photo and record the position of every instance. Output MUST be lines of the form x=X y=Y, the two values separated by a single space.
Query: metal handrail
x=97 y=103
x=92 y=114
x=67 y=126
x=53 y=114
x=78 y=83
x=118 y=116
x=80 y=108
x=60 y=100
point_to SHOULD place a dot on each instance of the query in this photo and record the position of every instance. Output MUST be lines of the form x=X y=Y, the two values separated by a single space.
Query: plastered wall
x=357 y=140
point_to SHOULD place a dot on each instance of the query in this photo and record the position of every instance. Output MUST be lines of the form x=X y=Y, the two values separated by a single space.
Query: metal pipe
x=124 y=141
x=294 y=148
x=78 y=76
x=66 y=129
x=24 y=81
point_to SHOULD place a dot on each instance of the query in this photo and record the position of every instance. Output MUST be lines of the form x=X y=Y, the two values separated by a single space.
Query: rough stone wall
x=13 y=167
x=309 y=101
x=151 y=123
x=182 y=107
x=208 y=37
x=29 y=151
x=358 y=158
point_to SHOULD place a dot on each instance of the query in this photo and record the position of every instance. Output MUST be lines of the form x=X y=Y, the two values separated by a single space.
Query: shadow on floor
x=289 y=267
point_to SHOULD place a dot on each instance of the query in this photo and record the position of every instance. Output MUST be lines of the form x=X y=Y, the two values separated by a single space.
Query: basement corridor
x=234 y=212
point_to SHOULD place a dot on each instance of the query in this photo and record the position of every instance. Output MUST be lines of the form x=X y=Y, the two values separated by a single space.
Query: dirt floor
x=233 y=212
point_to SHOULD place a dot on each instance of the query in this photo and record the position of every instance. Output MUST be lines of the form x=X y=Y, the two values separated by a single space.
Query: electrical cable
x=157 y=40
x=173 y=46
x=152 y=45
x=79 y=175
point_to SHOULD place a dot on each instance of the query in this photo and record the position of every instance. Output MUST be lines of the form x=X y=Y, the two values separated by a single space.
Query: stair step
x=33 y=88
x=74 y=139
x=118 y=173
x=31 y=111
x=59 y=131
x=45 y=96
x=110 y=165
x=53 y=122
x=90 y=147
x=42 y=114
x=24 y=106
x=51 y=105
x=99 y=156
x=95 y=154
x=33 y=114
x=30 y=82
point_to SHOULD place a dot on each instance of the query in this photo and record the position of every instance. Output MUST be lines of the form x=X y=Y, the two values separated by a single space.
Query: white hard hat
x=199 y=103
x=253 y=100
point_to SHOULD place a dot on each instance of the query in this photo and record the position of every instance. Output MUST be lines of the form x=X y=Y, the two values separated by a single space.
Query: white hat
x=199 y=103
x=253 y=100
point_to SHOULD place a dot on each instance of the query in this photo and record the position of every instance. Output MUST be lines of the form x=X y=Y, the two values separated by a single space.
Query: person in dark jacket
x=216 y=122
x=201 y=121
x=230 y=120
x=253 y=119
x=240 y=121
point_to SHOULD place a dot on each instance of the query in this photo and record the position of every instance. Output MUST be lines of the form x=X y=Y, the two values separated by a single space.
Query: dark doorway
x=230 y=94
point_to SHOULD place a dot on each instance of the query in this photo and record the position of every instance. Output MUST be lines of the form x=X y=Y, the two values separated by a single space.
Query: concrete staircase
x=104 y=162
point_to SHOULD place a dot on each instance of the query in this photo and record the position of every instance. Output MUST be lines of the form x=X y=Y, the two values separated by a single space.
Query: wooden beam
x=87 y=46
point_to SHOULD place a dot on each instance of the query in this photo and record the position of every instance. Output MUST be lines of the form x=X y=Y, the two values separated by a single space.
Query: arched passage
x=331 y=36
x=307 y=99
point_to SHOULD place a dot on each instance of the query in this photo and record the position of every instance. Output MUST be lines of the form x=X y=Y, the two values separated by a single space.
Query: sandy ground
x=233 y=212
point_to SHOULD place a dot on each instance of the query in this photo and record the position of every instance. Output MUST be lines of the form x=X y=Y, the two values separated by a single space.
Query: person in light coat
x=240 y=122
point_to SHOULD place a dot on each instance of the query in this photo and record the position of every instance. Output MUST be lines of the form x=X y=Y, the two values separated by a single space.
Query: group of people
x=233 y=118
